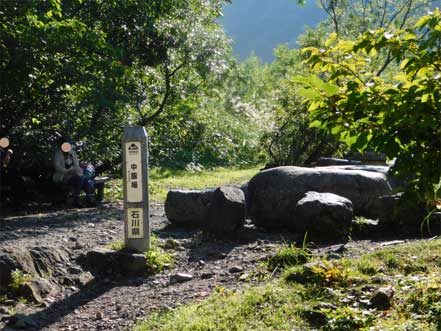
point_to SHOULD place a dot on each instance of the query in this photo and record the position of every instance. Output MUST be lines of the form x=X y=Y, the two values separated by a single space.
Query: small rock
x=85 y=277
x=235 y=269
x=181 y=277
x=382 y=297
x=99 y=315
x=207 y=275
x=37 y=289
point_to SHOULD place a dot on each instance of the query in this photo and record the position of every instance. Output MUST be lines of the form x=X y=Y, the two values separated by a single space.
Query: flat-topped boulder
x=274 y=193
x=325 y=217
x=188 y=207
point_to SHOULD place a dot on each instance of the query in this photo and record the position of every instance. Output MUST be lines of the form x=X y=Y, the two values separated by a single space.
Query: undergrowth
x=325 y=295
x=286 y=256
x=19 y=278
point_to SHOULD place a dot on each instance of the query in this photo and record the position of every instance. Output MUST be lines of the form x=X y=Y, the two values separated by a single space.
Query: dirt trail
x=106 y=303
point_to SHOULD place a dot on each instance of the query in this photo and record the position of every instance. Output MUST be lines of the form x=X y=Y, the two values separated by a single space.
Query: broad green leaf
x=425 y=98
x=331 y=39
x=422 y=21
x=315 y=124
x=309 y=94
x=330 y=89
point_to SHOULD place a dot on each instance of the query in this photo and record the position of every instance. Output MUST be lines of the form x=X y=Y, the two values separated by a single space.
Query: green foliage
x=336 y=299
x=292 y=141
x=220 y=124
x=287 y=256
x=117 y=246
x=230 y=310
x=87 y=69
x=318 y=273
x=349 y=19
x=347 y=319
x=368 y=266
x=399 y=116
x=157 y=259
x=18 y=278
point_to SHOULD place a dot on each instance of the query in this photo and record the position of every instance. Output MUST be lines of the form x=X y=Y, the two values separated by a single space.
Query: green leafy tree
x=400 y=116
x=221 y=124
x=82 y=68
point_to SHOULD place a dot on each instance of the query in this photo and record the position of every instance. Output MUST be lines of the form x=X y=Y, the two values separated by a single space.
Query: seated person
x=9 y=176
x=68 y=171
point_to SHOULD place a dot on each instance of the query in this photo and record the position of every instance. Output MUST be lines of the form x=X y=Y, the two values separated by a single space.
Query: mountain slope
x=260 y=25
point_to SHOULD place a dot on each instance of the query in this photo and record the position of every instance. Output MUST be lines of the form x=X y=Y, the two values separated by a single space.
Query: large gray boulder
x=188 y=207
x=274 y=193
x=324 y=216
x=398 y=214
x=394 y=181
x=226 y=213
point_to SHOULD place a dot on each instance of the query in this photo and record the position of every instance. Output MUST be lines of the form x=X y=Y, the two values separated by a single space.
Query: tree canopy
x=86 y=68
x=400 y=115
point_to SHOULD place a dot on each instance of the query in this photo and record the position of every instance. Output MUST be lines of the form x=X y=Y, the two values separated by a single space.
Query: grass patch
x=157 y=258
x=326 y=295
x=287 y=256
x=117 y=246
x=226 y=310
x=162 y=180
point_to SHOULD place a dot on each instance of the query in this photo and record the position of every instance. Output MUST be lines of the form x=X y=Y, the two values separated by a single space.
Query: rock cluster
x=321 y=201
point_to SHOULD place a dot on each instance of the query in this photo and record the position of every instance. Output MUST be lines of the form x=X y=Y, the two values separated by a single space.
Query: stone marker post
x=136 y=196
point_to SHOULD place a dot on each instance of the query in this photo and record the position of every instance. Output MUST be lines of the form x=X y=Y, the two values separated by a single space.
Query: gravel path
x=118 y=304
